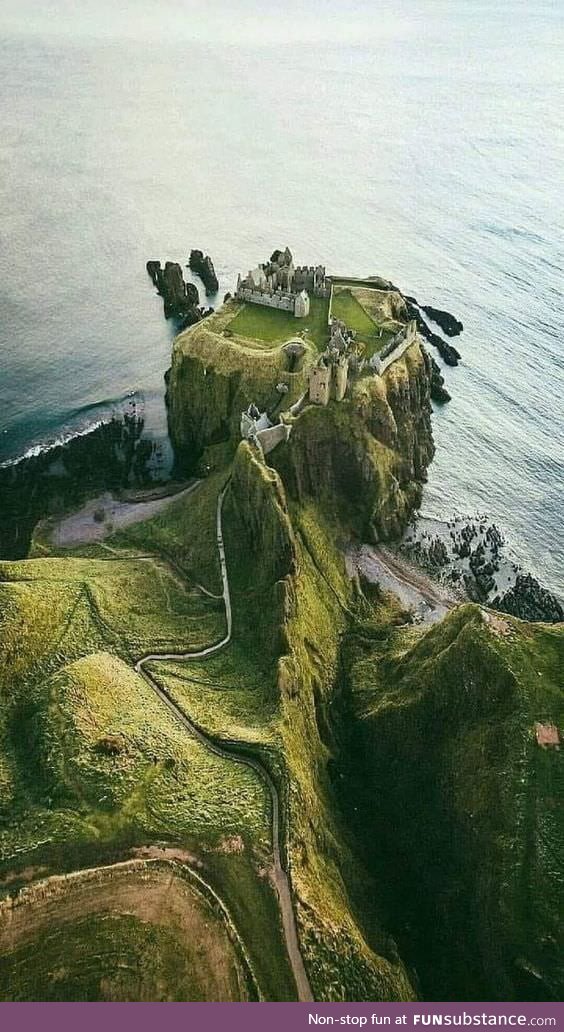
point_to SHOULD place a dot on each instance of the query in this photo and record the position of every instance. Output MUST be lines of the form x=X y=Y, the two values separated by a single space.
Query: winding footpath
x=279 y=875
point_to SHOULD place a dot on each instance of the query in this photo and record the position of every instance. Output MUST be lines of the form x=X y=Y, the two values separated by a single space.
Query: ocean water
x=422 y=141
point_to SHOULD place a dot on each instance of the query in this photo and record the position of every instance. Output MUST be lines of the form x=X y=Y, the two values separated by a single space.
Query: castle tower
x=301 y=305
x=320 y=384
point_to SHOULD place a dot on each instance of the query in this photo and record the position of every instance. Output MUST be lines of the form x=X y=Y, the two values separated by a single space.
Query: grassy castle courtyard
x=273 y=326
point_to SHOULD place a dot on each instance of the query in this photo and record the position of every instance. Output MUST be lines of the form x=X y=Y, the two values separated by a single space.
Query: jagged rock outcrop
x=528 y=600
x=180 y=299
x=439 y=392
x=448 y=353
x=260 y=505
x=449 y=323
x=202 y=265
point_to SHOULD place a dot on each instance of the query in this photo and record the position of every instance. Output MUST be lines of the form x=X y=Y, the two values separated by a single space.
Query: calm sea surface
x=422 y=141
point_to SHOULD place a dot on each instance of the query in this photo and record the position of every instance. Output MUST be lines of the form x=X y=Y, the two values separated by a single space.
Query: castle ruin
x=328 y=378
x=256 y=427
x=282 y=285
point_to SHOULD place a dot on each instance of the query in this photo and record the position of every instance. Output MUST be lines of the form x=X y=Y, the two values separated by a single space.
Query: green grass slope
x=91 y=762
x=258 y=323
x=460 y=804
x=291 y=604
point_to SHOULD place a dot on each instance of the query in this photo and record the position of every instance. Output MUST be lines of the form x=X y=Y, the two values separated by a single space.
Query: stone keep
x=278 y=284
x=320 y=384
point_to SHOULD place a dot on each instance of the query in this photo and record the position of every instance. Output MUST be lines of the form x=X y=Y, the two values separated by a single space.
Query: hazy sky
x=223 y=20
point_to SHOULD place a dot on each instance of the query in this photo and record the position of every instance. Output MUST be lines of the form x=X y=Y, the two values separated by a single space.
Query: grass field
x=273 y=326
x=134 y=932
x=227 y=695
x=348 y=308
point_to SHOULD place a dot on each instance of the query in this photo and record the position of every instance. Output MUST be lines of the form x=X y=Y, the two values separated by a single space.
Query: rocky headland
x=234 y=684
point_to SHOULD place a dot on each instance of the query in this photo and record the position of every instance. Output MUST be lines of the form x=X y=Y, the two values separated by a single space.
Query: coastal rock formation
x=471 y=554
x=448 y=353
x=528 y=600
x=260 y=503
x=111 y=456
x=369 y=454
x=439 y=392
x=449 y=323
x=374 y=448
x=180 y=299
x=203 y=266
x=212 y=380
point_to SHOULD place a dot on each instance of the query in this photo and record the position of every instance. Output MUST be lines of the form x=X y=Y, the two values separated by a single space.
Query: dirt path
x=231 y=752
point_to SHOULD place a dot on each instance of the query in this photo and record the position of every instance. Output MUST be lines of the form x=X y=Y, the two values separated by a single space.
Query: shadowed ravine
x=279 y=875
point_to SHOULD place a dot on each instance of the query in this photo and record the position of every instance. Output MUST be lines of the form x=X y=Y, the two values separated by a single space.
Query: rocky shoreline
x=471 y=555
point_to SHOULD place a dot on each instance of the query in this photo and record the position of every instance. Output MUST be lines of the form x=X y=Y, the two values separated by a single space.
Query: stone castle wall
x=284 y=302
x=395 y=349
x=320 y=385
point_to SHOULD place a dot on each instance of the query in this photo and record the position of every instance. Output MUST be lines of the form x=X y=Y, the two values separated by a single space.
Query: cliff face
x=260 y=505
x=458 y=800
x=214 y=378
x=373 y=448
x=369 y=454
x=290 y=594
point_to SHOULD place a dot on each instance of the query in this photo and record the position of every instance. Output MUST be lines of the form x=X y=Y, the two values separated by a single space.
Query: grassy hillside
x=418 y=808
x=91 y=763
x=460 y=803
x=294 y=622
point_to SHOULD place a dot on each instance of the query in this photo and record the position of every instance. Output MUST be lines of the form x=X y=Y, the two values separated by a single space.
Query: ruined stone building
x=328 y=378
x=279 y=284
x=257 y=427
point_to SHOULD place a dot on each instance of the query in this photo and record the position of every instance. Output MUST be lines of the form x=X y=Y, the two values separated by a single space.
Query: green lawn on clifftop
x=347 y=307
x=257 y=322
